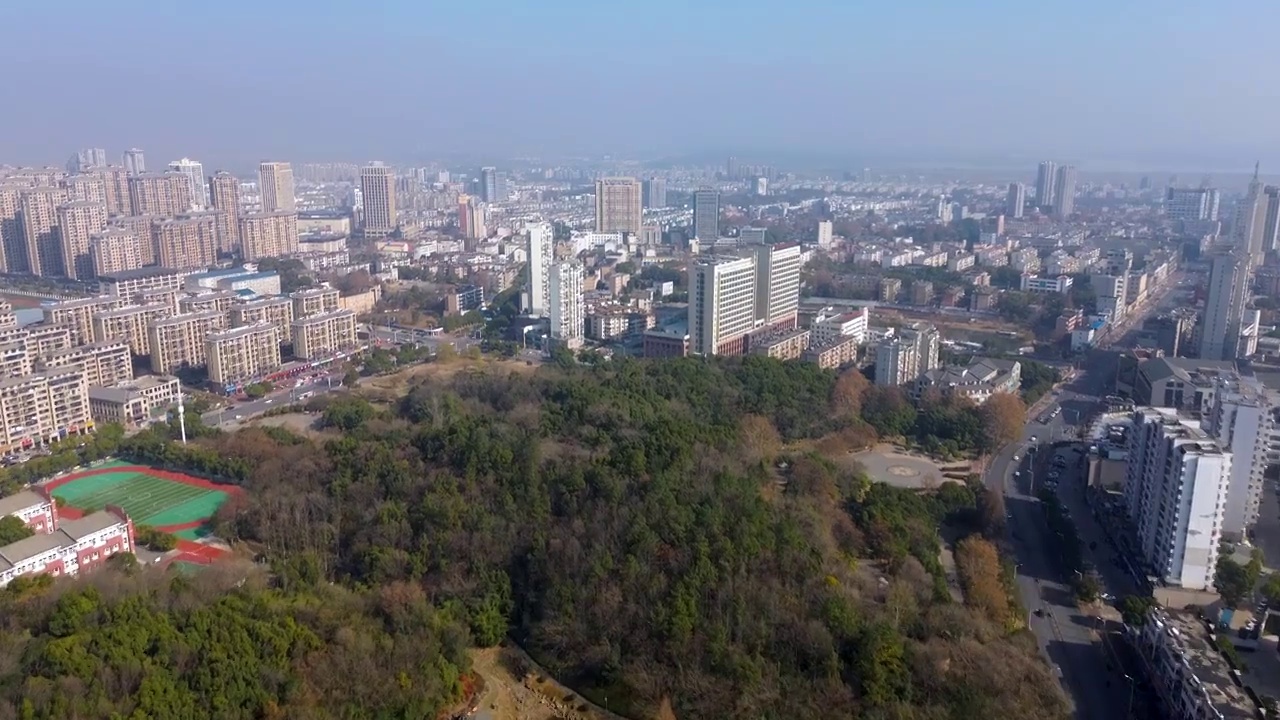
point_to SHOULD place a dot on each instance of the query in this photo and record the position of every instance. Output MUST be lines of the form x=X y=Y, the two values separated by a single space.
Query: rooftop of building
x=222 y=273
x=69 y=532
x=1213 y=677
x=266 y=301
x=133 y=310
x=321 y=317
x=138 y=273
x=312 y=292
x=125 y=392
x=181 y=318
x=81 y=302
x=232 y=333
x=1160 y=368
x=260 y=275
x=20 y=500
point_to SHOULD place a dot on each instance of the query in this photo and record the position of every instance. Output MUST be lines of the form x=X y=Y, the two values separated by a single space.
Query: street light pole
x=1129 y=713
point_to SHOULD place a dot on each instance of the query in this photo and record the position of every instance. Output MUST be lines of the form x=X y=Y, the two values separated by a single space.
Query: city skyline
x=259 y=104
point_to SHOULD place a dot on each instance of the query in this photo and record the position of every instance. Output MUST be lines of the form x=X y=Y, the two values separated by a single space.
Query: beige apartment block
x=275 y=183
x=361 y=303
x=135 y=403
x=219 y=300
x=143 y=227
x=104 y=363
x=78 y=222
x=179 y=341
x=224 y=192
x=159 y=296
x=115 y=182
x=264 y=235
x=128 y=283
x=86 y=187
x=187 y=242
x=39 y=207
x=114 y=250
x=618 y=205
x=243 y=354
x=13 y=243
x=276 y=311
x=320 y=336
x=164 y=194
x=44 y=338
x=314 y=301
x=16 y=357
x=78 y=314
x=43 y=406
x=129 y=324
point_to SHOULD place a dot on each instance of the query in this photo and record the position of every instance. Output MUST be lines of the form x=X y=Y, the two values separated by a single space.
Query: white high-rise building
x=1191 y=204
x=1251 y=222
x=777 y=285
x=194 y=172
x=1223 y=317
x=541 y=254
x=1177 y=481
x=722 y=304
x=1242 y=418
x=825 y=234
x=567 y=310
x=275 y=184
x=895 y=362
x=135 y=163
x=1046 y=182
x=1064 y=192
x=1016 y=200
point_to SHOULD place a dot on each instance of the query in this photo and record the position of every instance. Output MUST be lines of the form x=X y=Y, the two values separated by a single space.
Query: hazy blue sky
x=1145 y=83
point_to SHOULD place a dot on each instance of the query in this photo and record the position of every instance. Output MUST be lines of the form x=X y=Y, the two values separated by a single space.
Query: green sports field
x=148 y=499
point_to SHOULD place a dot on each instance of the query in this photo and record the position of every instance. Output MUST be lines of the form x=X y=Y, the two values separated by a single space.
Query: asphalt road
x=229 y=418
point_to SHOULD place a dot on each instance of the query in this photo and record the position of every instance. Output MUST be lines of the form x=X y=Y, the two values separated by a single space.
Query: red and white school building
x=60 y=547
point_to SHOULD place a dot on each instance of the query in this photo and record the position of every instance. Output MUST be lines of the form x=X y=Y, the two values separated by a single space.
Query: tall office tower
x=1064 y=192
x=378 y=187
x=470 y=219
x=566 y=301
x=89 y=187
x=731 y=168
x=1046 y=183
x=224 y=192
x=826 y=234
x=187 y=243
x=706 y=215
x=1242 y=417
x=1175 y=491
x=1271 y=226
x=777 y=285
x=134 y=162
x=1251 y=221
x=541 y=255
x=489 y=184
x=264 y=235
x=1191 y=204
x=1016 y=200
x=194 y=173
x=722 y=304
x=166 y=194
x=655 y=192
x=895 y=362
x=115 y=250
x=77 y=223
x=618 y=205
x=1224 y=308
x=13 y=242
x=40 y=228
x=275 y=184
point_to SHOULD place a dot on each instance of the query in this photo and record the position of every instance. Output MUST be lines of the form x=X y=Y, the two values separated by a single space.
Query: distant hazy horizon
x=1107 y=86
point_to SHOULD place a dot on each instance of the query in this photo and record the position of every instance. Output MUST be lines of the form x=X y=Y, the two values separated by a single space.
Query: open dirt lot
x=516 y=689
x=298 y=423
x=398 y=383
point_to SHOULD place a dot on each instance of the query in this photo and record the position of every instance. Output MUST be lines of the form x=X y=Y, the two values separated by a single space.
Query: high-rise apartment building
x=115 y=181
x=271 y=234
x=315 y=301
x=276 y=311
x=13 y=240
x=187 y=242
x=194 y=173
x=722 y=304
x=87 y=158
x=470 y=218
x=104 y=363
x=179 y=341
x=928 y=343
x=541 y=255
x=706 y=215
x=1191 y=204
x=322 y=336
x=1175 y=492
x=89 y=187
x=895 y=362
x=378 y=188
x=1271 y=224
x=1243 y=417
x=826 y=234
x=134 y=162
x=275 y=184
x=1250 y=223
x=618 y=205
x=39 y=207
x=1016 y=200
x=489 y=184
x=43 y=407
x=224 y=195
x=1046 y=183
x=655 y=192
x=1224 y=308
x=143 y=228
x=164 y=194
x=129 y=323
x=78 y=222
x=777 y=286
x=566 y=310
x=1064 y=192
x=130 y=283
x=243 y=354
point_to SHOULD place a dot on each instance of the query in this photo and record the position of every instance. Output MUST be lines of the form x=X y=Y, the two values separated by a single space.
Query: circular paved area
x=898 y=470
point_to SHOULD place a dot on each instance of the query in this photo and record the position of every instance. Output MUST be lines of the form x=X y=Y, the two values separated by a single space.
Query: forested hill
x=647 y=530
